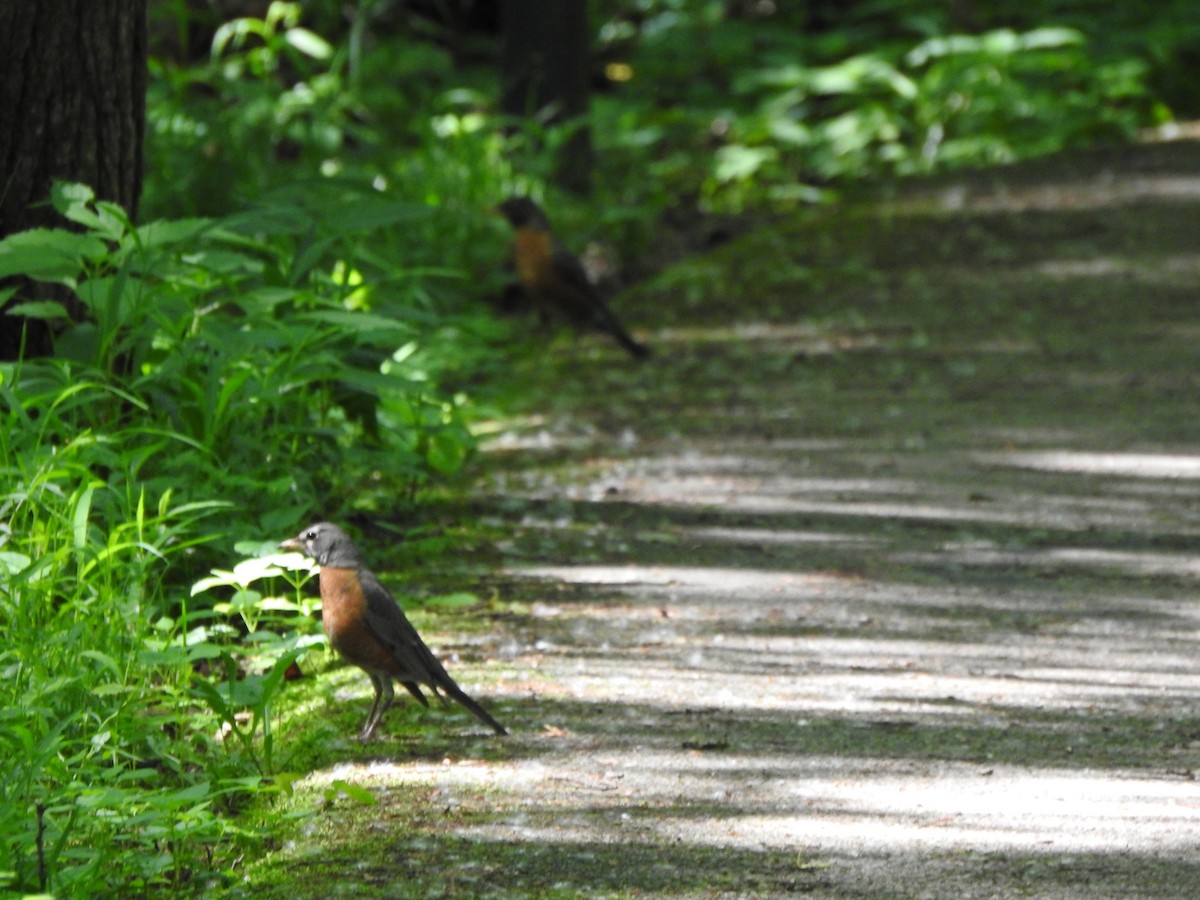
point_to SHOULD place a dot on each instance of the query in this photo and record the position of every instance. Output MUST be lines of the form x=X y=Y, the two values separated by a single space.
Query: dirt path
x=878 y=582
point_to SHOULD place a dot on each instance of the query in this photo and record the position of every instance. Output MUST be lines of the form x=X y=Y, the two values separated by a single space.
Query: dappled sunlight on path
x=877 y=584
x=971 y=660
x=924 y=605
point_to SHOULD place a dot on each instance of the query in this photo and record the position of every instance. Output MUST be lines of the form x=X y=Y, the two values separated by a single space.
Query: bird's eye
x=310 y=535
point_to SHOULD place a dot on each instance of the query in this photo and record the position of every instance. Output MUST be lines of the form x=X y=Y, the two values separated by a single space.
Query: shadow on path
x=876 y=582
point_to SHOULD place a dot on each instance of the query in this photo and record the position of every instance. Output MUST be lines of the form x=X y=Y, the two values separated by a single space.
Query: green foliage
x=229 y=375
x=774 y=104
x=949 y=101
x=218 y=129
x=277 y=346
x=249 y=349
x=275 y=104
x=728 y=105
x=89 y=724
x=125 y=757
x=276 y=631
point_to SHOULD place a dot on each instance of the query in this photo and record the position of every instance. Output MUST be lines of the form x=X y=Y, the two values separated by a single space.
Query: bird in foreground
x=366 y=626
x=554 y=279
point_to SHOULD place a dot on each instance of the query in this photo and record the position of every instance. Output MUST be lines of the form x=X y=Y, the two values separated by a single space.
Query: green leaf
x=191 y=793
x=736 y=162
x=294 y=561
x=1001 y=42
x=258 y=548
x=368 y=213
x=353 y=791
x=77 y=203
x=245 y=599
x=453 y=601
x=356 y=321
x=267 y=221
x=204 y=650
x=48 y=254
x=79 y=342
x=262 y=301
x=215 y=700
x=83 y=508
x=65 y=193
x=1042 y=38
x=251 y=570
x=12 y=563
x=104 y=659
x=448 y=451
x=278 y=604
x=171 y=231
x=113 y=300
x=308 y=43
x=47 y=310
x=218 y=578
x=112 y=688
x=284 y=781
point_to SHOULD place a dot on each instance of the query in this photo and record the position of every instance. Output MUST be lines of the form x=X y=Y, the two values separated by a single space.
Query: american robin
x=554 y=279
x=366 y=626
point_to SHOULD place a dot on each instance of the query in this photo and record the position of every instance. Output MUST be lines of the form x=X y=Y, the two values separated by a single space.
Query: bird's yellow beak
x=292 y=544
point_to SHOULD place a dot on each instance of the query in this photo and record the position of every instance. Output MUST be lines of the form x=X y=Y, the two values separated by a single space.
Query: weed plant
x=232 y=375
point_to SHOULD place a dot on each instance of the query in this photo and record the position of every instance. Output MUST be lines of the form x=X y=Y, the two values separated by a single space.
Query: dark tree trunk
x=545 y=71
x=72 y=107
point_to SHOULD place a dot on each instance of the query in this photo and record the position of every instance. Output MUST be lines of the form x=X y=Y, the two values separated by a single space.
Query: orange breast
x=343 y=607
x=533 y=257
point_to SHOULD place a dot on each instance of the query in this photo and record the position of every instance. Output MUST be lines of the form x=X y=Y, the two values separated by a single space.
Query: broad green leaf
x=48 y=254
x=203 y=651
x=218 y=578
x=12 y=563
x=737 y=161
x=448 y=451
x=1043 y=38
x=39 y=309
x=368 y=213
x=79 y=342
x=267 y=221
x=171 y=231
x=65 y=193
x=250 y=570
x=262 y=301
x=308 y=43
x=357 y=321
x=104 y=659
x=353 y=791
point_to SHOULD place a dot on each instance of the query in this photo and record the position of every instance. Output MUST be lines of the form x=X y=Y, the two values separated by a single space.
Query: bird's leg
x=362 y=734
x=383 y=699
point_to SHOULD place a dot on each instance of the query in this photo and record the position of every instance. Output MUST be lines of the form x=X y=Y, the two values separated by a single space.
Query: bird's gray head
x=327 y=544
x=522 y=212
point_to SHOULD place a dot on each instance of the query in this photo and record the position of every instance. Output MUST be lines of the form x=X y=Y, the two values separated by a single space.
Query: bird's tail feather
x=612 y=325
x=413 y=688
x=465 y=700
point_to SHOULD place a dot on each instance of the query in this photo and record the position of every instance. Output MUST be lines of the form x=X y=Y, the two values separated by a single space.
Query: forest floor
x=878 y=580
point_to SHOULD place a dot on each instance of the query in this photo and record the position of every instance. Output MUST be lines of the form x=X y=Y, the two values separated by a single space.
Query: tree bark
x=545 y=71
x=72 y=107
